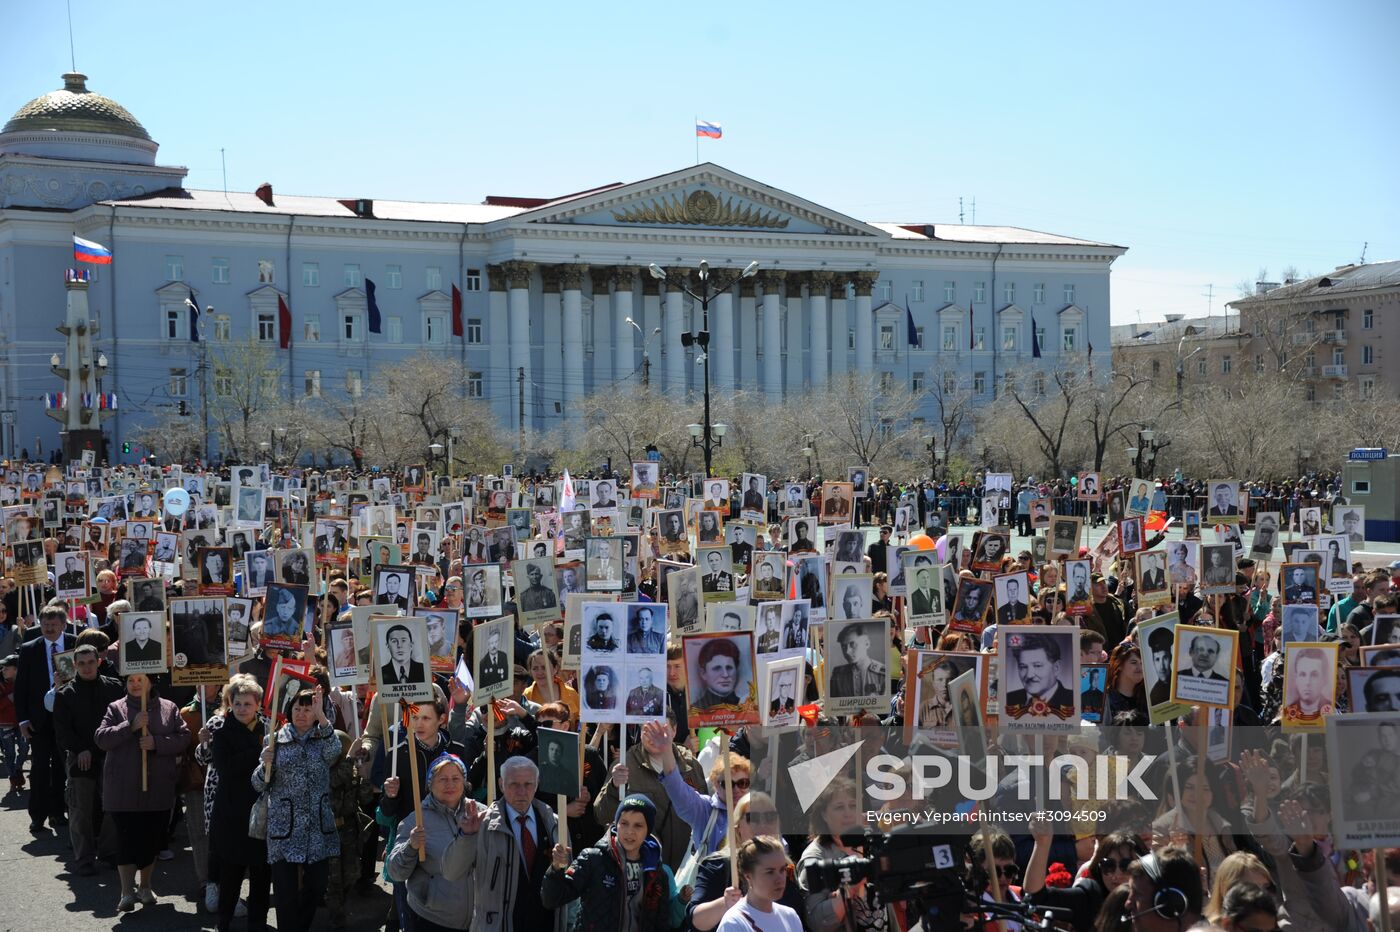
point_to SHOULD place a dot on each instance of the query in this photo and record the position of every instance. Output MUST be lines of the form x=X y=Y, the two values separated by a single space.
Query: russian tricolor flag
x=708 y=130
x=85 y=250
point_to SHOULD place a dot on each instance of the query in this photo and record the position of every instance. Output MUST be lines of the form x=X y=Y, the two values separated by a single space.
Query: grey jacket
x=300 y=819
x=493 y=863
x=437 y=886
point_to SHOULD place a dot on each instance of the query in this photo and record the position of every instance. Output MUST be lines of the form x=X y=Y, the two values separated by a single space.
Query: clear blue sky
x=1211 y=138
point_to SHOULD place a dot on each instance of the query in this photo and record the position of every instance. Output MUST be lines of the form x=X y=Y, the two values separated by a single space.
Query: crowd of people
x=296 y=802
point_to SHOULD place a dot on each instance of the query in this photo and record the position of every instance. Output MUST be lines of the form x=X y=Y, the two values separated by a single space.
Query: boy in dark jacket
x=77 y=711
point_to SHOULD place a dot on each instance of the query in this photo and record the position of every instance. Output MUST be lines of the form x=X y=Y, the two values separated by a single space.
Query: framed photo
x=1115 y=504
x=1300 y=624
x=237 y=627
x=709 y=527
x=1079 y=596
x=1039 y=665
x=603 y=497
x=284 y=611
x=780 y=691
x=793 y=501
x=1153 y=585
x=753 y=506
x=1093 y=684
x=1217 y=569
x=71 y=575
x=646 y=481
x=1266 y=526
x=559 y=754
x=146 y=595
x=852 y=596
x=1183 y=558
x=294 y=566
x=717 y=582
x=1381 y=655
x=728 y=616
x=721 y=680
x=441 y=625
x=1350 y=520
x=394 y=585
x=1012 y=595
x=603 y=564
x=1219 y=729
x=131 y=556
x=901 y=560
x=1338 y=550
x=809 y=575
x=257 y=572
x=969 y=697
x=482 y=596
x=215 y=571
x=1089 y=489
x=493 y=643
x=1139 y=498
x=1385 y=629
x=248 y=507
x=1204 y=666
x=766 y=579
x=1130 y=535
x=332 y=541
x=973 y=601
x=671 y=524
x=425 y=546
x=802 y=535
x=1374 y=688
x=857 y=677
x=767 y=628
x=797 y=631
x=683 y=598
x=1064 y=536
x=924 y=595
x=838 y=502
x=930 y=710
x=1041 y=511
x=646 y=629
x=199 y=639
x=989 y=550
x=342 y=655
x=1224 y=507
x=644 y=682
x=1309 y=685
x=1191 y=525
x=1361 y=749
x=143 y=640
x=1298 y=583
x=1157 y=644
x=401 y=662
x=716 y=495
x=537 y=590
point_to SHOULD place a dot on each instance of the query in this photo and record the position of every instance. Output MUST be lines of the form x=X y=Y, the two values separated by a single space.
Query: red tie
x=527 y=842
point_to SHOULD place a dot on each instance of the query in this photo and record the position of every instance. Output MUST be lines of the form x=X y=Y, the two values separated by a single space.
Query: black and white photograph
x=199 y=641
x=720 y=679
x=167 y=549
x=131 y=556
x=644 y=685
x=1338 y=550
x=990 y=549
x=1156 y=643
x=493 y=643
x=1089 y=489
x=852 y=596
x=1309 y=685
x=766 y=581
x=332 y=541
x=1115 y=505
x=70 y=572
x=716 y=495
x=930 y=711
x=743 y=540
x=1363 y=749
x=238 y=627
x=1079 y=594
x=215 y=571
x=1013 y=593
x=1375 y=688
x=671 y=525
x=1385 y=629
x=248 y=508
x=767 y=627
x=970 y=607
x=283 y=614
x=286 y=679
x=1310 y=521
x=1064 y=536
x=1041 y=511
x=717 y=583
x=646 y=629
x=809 y=574
x=146 y=595
x=142 y=636
x=1380 y=655
x=482 y=590
x=1350 y=520
x=393 y=585
x=1153 y=585
x=537 y=594
x=1298 y=583
x=850 y=546
x=293 y=566
x=859 y=478
x=401 y=663
x=924 y=594
x=709 y=528
x=1300 y=624
x=1130 y=535
x=1265 y=539
x=793 y=501
x=603 y=500
x=1203 y=664
x=1182 y=562
x=342 y=654
x=441 y=624
x=604 y=627
x=1217 y=569
x=780 y=682
x=601 y=683
x=646 y=481
x=797 y=620
x=558 y=753
x=753 y=504
x=1039 y=666
x=603 y=564
x=857 y=665
x=803 y=535
x=1224 y=502
x=424 y=547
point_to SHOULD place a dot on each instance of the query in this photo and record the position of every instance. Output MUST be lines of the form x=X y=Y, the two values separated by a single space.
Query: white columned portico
x=818 y=284
x=651 y=321
x=623 y=356
x=552 y=331
x=603 y=349
x=796 y=327
x=570 y=283
x=865 y=322
x=748 y=336
x=518 y=275
x=499 y=379
x=772 y=333
x=672 y=324
x=722 y=339
x=840 y=328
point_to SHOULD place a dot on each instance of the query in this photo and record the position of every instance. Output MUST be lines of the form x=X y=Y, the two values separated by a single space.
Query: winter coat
x=121 y=771
x=669 y=828
x=234 y=752
x=437 y=886
x=78 y=709
x=300 y=819
x=598 y=879
x=493 y=866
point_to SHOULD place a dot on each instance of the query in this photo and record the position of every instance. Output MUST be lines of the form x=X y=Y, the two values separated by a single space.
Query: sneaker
x=166 y=854
x=211 y=897
x=145 y=895
x=240 y=909
x=127 y=902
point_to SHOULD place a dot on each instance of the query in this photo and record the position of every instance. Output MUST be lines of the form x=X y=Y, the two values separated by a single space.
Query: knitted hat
x=638 y=802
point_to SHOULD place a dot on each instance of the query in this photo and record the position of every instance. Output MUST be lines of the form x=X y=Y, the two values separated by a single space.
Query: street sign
x=1368 y=453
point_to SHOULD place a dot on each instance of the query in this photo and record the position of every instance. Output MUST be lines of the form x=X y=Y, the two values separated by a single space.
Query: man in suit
x=925 y=600
x=795 y=629
x=1204 y=649
x=148 y=598
x=1154 y=579
x=645 y=698
x=72 y=578
x=835 y=505
x=603 y=495
x=860 y=675
x=401 y=667
x=739 y=549
x=423 y=556
x=1014 y=609
x=145 y=506
x=767 y=583
x=1037 y=660
x=33 y=679
x=215 y=571
x=753 y=496
x=1224 y=502
x=389 y=592
x=1300 y=587
x=495 y=665
x=259 y=569
x=716 y=501
x=716 y=580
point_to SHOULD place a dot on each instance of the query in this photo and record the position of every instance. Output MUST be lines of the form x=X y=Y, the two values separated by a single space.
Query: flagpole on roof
x=697 y=139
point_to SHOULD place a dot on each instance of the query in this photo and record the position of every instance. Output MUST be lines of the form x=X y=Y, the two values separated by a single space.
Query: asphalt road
x=38 y=892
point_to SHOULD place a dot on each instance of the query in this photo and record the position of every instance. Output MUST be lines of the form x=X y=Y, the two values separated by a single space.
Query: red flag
x=456 y=311
x=284 y=323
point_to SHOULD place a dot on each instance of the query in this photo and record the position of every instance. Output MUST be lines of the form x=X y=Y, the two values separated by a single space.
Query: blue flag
x=1035 y=339
x=912 y=334
x=374 y=322
x=194 y=317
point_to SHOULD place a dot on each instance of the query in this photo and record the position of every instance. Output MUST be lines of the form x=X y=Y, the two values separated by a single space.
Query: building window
x=979 y=292
x=354 y=383
x=174 y=268
x=851 y=339
x=979 y=338
x=223 y=383
x=474 y=385
x=1038 y=384
x=311 y=274
x=473 y=281
x=1226 y=364
x=1338 y=389
x=1008 y=339
x=393 y=329
x=1366 y=356
x=1258 y=362
x=950 y=338
x=350 y=328
x=1069 y=294
x=267 y=272
x=886 y=289
x=394 y=274
x=1338 y=358
x=179 y=383
x=435 y=329
x=223 y=330
x=353 y=278
x=433 y=279
x=218 y=271
x=174 y=317
x=979 y=383
x=1201 y=366
x=1368 y=319
x=1039 y=295
x=916 y=291
x=886 y=337
x=886 y=380
x=950 y=291
x=950 y=383
x=313 y=383
x=1310 y=360
x=1310 y=393
x=1008 y=293
x=473 y=329
x=311 y=328
x=1069 y=340
x=267 y=328
x=916 y=383
x=919 y=335
x=1040 y=337
x=1366 y=384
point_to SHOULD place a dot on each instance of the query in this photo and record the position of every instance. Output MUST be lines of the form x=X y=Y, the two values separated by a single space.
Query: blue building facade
x=555 y=298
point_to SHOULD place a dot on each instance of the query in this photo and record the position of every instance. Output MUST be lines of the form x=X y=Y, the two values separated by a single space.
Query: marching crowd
x=295 y=806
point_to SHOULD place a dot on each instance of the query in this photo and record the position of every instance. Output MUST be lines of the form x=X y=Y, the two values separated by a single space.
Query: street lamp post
x=1144 y=455
x=646 y=342
x=808 y=448
x=436 y=449
x=710 y=435
x=453 y=435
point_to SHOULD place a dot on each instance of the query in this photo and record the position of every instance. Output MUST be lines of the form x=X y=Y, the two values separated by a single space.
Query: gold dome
x=76 y=109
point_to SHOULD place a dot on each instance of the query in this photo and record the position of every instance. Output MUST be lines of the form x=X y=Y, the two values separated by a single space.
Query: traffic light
x=126 y=446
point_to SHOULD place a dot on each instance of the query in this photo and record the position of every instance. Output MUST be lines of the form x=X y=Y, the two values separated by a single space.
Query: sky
x=1213 y=139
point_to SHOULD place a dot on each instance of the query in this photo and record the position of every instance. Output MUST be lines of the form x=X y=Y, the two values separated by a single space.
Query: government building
x=538 y=301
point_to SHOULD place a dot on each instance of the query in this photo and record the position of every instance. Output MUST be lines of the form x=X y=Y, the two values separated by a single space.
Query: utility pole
x=520 y=379
x=646 y=369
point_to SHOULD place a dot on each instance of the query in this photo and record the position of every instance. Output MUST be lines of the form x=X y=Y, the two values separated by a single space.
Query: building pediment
x=265 y=291
x=698 y=197
x=180 y=290
x=1071 y=310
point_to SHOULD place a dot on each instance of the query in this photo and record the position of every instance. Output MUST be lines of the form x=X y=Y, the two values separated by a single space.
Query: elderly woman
x=707 y=816
x=754 y=815
x=437 y=888
x=234 y=748
x=141 y=814
x=301 y=833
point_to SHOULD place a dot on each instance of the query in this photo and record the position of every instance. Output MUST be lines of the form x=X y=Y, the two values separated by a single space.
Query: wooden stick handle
x=490 y=714
x=1383 y=887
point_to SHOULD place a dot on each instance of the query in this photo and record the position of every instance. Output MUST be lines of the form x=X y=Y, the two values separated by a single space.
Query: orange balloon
x=921 y=542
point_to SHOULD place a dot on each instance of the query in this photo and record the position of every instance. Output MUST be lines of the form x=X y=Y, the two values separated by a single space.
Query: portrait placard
x=1309 y=685
x=1089 y=489
x=603 y=498
x=767 y=575
x=924 y=590
x=671 y=524
x=767 y=620
x=1139 y=498
x=646 y=630
x=441 y=624
x=65 y=668
x=1039 y=666
x=1156 y=642
x=1093 y=683
x=971 y=692
x=71 y=575
x=973 y=601
x=332 y=541
x=1350 y=521
x=1219 y=728
x=293 y=566
x=852 y=596
x=1012 y=596
x=1385 y=629
x=646 y=481
x=931 y=713
x=1203 y=665
x=809 y=575
x=603 y=564
x=857 y=676
x=558 y=753
x=1079 y=595
x=716 y=495
x=1041 y=510
x=753 y=506
x=780 y=680
x=215 y=571
x=401 y=659
x=237 y=627
x=721 y=681
x=729 y=616
x=709 y=527
x=1064 y=535
x=837 y=502
x=394 y=585
x=537 y=590
x=284 y=611
x=899 y=560
x=143 y=641
x=1217 y=569
x=1381 y=655
x=989 y=549
x=1152 y=583
x=1115 y=503
x=1338 y=550
x=1224 y=507
x=131 y=557
x=494 y=667
x=1298 y=583
x=199 y=640
x=683 y=597
x=1266 y=525
x=343 y=655
x=1375 y=688
x=1361 y=749
x=1191 y=525
x=1130 y=535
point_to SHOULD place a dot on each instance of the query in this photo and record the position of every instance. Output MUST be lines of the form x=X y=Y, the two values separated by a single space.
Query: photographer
x=837 y=814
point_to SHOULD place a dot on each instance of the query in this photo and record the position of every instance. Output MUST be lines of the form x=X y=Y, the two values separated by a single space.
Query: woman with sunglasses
x=707 y=816
x=1106 y=870
x=754 y=815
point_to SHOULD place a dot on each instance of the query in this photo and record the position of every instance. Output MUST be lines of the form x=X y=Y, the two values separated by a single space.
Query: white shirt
x=741 y=917
x=529 y=815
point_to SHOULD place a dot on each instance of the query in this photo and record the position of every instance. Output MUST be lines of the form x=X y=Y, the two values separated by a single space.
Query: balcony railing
x=1335 y=337
x=1334 y=372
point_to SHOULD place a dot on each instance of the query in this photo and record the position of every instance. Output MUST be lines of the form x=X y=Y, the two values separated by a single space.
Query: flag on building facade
x=456 y=311
x=911 y=332
x=194 y=316
x=374 y=319
x=284 y=323
x=85 y=250
x=1035 y=339
x=708 y=129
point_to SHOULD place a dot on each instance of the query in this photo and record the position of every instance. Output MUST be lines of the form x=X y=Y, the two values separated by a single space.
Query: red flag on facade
x=456 y=311
x=284 y=323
